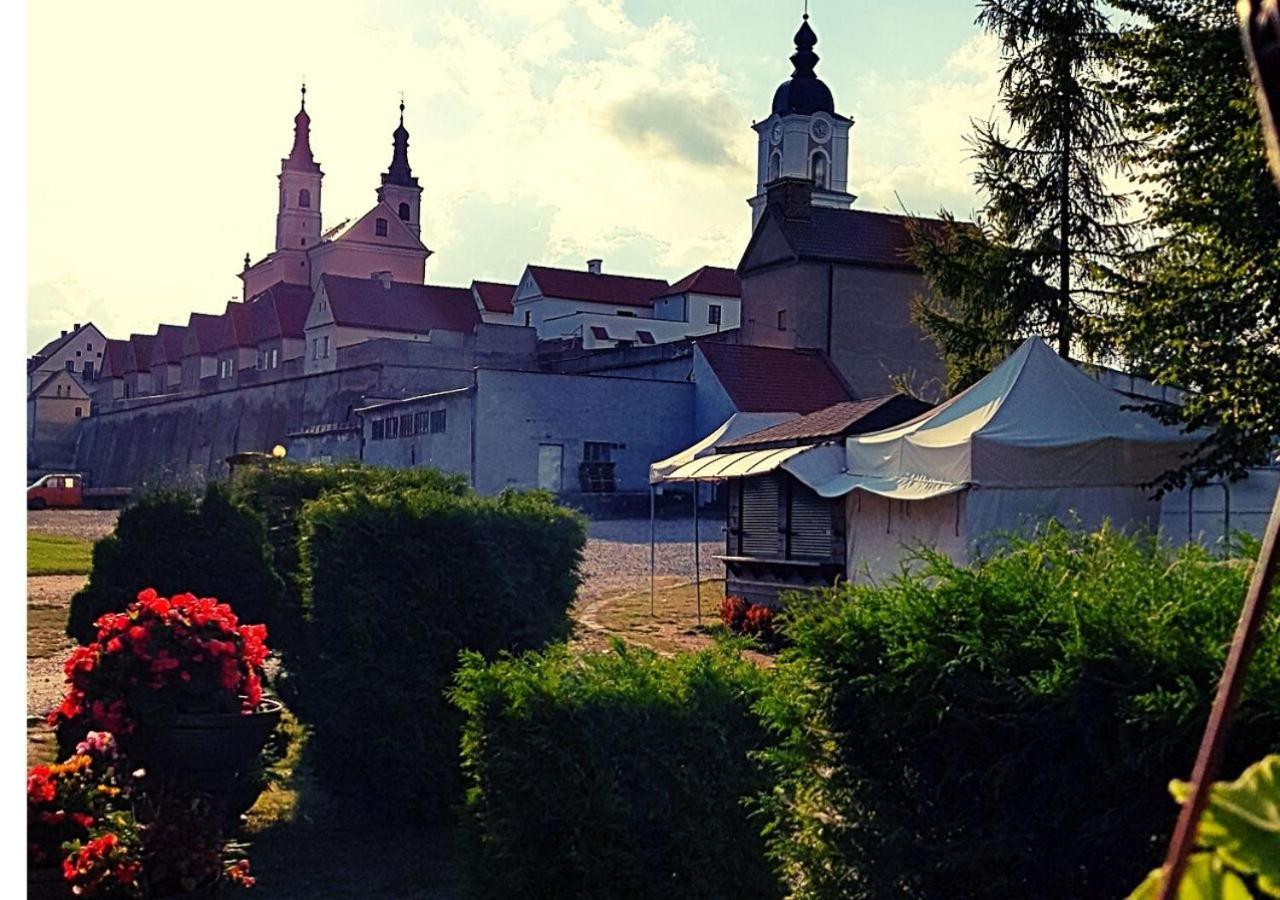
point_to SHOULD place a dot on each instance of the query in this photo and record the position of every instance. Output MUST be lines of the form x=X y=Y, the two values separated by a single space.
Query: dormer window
x=404 y=212
x=380 y=227
x=304 y=198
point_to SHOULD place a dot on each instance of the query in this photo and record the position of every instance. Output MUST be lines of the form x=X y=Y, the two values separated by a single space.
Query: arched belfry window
x=404 y=212
x=380 y=227
x=775 y=167
x=818 y=169
x=304 y=198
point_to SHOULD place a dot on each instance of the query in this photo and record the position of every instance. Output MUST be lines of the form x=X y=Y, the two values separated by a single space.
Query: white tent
x=1036 y=438
x=737 y=425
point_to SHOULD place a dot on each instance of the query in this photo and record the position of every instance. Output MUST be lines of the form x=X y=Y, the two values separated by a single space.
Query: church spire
x=399 y=171
x=300 y=158
x=804 y=59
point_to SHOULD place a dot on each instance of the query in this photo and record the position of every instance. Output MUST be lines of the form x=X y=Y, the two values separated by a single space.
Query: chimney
x=76 y=327
x=385 y=278
x=64 y=333
x=793 y=197
x=593 y=266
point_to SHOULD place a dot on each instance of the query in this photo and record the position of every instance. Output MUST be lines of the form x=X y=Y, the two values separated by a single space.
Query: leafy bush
x=1005 y=730
x=399 y=583
x=619 y=774
x=170 y=542
x=278 y=491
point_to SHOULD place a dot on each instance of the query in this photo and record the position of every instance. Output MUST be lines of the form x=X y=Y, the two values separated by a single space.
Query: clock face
x=820 y=130
x=776 y=134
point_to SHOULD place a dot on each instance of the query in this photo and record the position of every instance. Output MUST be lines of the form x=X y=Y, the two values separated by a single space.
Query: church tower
x=399 y=188
x=298 y=216
x=804 y=137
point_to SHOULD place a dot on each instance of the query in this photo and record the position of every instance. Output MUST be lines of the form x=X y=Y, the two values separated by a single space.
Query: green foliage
x=1051 y=223
x=53 y=554
x=1240 y=828
x=1200 y=307
x=619 y=774
x=213 y=547
x=278 y=491
x=399 y=583
x=1004 y=730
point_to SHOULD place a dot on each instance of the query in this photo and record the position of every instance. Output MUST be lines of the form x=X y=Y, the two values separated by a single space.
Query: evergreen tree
x=1202 y=309
x=1051 y=225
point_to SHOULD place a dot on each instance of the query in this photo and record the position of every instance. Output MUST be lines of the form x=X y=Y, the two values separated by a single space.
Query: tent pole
x=653 y=537
x=697 y=551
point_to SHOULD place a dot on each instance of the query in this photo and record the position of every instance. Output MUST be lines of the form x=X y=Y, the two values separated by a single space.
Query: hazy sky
x=543 y=131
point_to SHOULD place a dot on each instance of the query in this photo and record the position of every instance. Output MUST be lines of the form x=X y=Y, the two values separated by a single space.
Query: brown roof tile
x=417 y=308
x=707 y=280
x=771 y=379
x=494 y=296
x=835 y=421
x=620 y=290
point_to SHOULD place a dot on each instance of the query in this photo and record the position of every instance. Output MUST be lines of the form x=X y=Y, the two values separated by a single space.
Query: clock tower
x=804 y=137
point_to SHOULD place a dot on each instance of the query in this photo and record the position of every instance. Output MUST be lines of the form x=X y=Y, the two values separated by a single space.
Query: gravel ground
x=617 y=553
x=86 y=524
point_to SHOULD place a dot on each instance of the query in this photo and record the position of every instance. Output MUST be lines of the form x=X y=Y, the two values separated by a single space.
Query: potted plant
x=179 y=680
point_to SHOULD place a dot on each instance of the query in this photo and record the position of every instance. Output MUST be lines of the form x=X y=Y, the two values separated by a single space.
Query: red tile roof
x=494 y=296
x=417 y=308
x=836 y=421
x=707 y=280
x=234 y=328
x=279 y=312
x=619 y=290
x=772 y=379
x=168 y=345
x=204 y=332
x=114 y=354
x=137 y=358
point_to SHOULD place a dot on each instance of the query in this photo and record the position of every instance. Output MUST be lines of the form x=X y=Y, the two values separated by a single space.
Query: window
x=392 y=427
x=626 y=313
x=88 y=369
x=818 y=169
x=378 y=430
x=528 y=318
x=775 y=167
x=404 y=212
x=273 y=361
x=71 y=365
x=406 y=425
x=88 y=346
x=77 y=412
x=420 y=423
x=380 y=227
x=77 y=353
x=758 y=530
x=437 y=421
x=225 y=368
x=596 y=473
x=597 y=451
x=315 y=348
x=782 y=320
x=713 y=314
x=304 y=198
x=325 y=346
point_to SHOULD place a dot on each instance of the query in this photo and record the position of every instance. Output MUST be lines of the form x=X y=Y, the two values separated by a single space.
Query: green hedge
x=213 y=547
x=619 y=774
x=278 y=490
x=1006 y=730
x=399 y=583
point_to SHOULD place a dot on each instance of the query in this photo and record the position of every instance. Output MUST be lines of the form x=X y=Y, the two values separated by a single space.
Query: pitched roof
x=494 y=296
x=620 y=290
x=167 y=347
x=365 y=303
x=56 y=373
x=835 y=421
x=204 y=332
x=773 y=379
x=708 y=280
x=279 y=312
x=847 y=235
x=137 y=357
x=56 y=344
x=114 y=354
x=234 y=329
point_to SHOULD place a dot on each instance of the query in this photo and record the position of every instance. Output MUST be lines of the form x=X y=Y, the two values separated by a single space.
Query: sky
x=541 y=131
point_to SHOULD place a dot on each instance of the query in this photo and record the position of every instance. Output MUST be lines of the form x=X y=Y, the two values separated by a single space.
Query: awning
x=720 y=466
x=822 y=469
x=737 y=425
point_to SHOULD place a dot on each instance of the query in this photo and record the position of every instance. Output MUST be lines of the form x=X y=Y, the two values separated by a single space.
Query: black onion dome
x=805 y=93
x=399 y=171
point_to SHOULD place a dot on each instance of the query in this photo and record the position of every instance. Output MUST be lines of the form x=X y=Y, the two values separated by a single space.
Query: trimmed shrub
x=399 y=583
x=619 y=774
x=278 y=490
x=1006 y=730
x=169 y=541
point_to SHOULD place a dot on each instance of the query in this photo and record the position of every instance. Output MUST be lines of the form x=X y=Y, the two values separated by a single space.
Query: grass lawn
x=51 y=554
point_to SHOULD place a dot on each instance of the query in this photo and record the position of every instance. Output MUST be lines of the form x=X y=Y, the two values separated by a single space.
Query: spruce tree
x=1202 y=305
x=1051 y=225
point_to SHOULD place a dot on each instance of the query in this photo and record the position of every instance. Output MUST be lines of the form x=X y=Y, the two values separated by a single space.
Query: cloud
x=677 y=125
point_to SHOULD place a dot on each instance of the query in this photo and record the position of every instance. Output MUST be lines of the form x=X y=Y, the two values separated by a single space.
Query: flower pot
x=47 y=883
x=205 y=745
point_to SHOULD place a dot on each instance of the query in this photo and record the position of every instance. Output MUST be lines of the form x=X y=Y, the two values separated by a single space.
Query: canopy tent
x=737 y=425
x=1035 y=439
